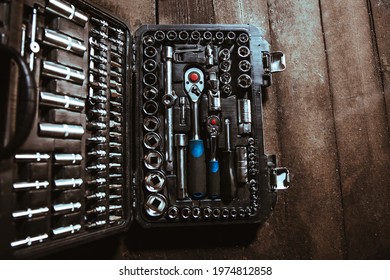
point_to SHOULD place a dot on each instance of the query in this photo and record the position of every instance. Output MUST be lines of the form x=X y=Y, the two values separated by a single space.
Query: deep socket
x=55 y=70
x=244 y=116
x=61 y=101
x=181 y=142
x=66 y=159
x=54 y=38
x=242 y=164
x=66 y=10
x=61 y=130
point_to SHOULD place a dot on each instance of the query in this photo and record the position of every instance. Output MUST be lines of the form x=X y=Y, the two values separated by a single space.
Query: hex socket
x=244 y=81
x=149 y=79
x=244 y=51
x=242 y=39
x=195 y=36
x=149 y=40
x=150 y=107
x=150 y=93
x=171 y=35
x=150 y=51
x=159 y=35
x=151 y=123
x=150 y=65
x=183 y=35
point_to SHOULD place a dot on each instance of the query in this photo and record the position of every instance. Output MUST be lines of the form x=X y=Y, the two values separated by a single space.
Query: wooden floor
x=326 y=118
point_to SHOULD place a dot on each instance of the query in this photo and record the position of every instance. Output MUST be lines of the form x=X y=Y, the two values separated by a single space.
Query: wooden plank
x=268 y=242
x=361 y=128
x=380 y=12
x=313 y=225
x=185 y=12
x=135 y=13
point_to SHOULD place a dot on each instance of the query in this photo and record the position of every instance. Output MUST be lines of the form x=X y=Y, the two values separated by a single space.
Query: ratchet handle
x=213 y=181
x=196 y=169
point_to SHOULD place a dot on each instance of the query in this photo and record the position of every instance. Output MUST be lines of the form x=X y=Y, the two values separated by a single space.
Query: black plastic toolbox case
x=99 y=128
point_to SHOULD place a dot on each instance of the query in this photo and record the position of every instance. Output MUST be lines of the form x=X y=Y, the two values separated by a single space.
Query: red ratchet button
x=213 y=121
x=193 y=77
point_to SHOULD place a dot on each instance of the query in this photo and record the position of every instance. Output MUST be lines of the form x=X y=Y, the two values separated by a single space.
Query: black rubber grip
x=213 y=180
x=228 y=176
x=196 y=170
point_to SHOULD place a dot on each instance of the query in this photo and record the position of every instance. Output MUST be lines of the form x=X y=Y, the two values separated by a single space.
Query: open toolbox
x=101 y=129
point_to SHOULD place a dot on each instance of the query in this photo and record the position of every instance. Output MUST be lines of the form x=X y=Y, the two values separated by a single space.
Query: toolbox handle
x=27 y=102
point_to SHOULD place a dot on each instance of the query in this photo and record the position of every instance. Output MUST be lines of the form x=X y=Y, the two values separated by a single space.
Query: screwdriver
x=228 y=176
x=213 y=179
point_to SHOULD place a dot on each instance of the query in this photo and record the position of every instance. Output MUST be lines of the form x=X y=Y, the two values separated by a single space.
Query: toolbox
x=101 y=128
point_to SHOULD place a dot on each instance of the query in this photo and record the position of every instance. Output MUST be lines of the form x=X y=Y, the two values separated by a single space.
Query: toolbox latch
x=280 y=178
x=272 y=63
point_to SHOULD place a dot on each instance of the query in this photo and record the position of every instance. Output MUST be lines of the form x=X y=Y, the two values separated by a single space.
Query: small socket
x=244 y=51
x=149 y=40
x=151 y=123
x=171 y=35
x=225 y=65
x=225 y=78
x=183 y=35
x=150 y=65
x=173 y=212
x=150 y=93
x=242 y=39
x=153 y=160
x=152 y=140
x=159 y=35
x=150 y=107
x=185 y=213
x=244 y=65
x=244 y=81
x=155 y=205
x=150 y=79
x=150 y=52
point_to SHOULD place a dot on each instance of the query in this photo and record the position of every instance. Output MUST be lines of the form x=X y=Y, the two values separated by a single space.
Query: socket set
x=102 y=129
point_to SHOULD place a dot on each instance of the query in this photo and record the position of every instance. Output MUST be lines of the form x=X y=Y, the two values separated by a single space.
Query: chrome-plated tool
x=194 y=85
x=213 y=176
x=168 y=100
x=181 y=142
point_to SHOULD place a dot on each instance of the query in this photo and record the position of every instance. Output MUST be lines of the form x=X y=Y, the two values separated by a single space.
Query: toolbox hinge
x=272 y=63
x=280 y=178
x=134 y=191
x=133 y=57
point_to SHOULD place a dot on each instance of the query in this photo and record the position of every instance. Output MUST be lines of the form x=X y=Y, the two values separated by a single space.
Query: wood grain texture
x=185 y=12
x=380 y=17
x=134 y=12
x=361 y=128
x=313 y=221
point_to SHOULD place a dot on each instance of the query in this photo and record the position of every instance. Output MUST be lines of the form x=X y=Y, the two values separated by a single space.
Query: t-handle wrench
x=213 y=178
x=194 y=85
x=168 y=99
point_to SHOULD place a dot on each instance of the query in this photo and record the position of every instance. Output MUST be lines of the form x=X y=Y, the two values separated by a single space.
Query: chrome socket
x=150 y=107
x=150 y=93
x=148 y=40
x=225 y=65
x=149 y=79
x=61 y=130
x=150 y=52
x=244 y=81
x=171 y=35
x=153 y=160
x=243 y=52
x=224 y=54
x=231 y=37
x=207 y=212
x=151 y=123
x=159 y=35
x=155 y=181
x=244 y=65
x=173 y=212
x=155 y=205
x=185 y=213
x=196 y=213
x=152 y=140
x=150 y=65
x=242 y=39
x=225 y=78
x=183 y=35
x=195 y=36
